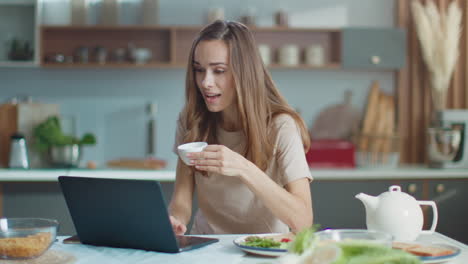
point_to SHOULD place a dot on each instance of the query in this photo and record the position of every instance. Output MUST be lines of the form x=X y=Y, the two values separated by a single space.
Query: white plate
x=441 y=259
x=438 y=259
x=269 y=252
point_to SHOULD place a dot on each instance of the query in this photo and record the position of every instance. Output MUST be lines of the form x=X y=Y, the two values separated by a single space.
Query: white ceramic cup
x=189 y=148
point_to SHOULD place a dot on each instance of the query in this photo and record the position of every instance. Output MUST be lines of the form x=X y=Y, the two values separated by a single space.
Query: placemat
x=50 y=257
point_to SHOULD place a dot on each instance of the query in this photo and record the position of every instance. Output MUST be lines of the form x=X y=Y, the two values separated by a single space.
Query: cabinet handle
x=412 y=188
x=375 y=59
x=440 y=188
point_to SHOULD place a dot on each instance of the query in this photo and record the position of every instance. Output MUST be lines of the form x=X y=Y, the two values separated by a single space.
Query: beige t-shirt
x=226 y=205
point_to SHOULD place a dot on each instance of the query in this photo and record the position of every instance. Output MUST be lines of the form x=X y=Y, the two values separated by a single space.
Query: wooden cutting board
x=8 y=126
x=23 y=118
x=336 y=121
x=370 y=117
x=129 y=163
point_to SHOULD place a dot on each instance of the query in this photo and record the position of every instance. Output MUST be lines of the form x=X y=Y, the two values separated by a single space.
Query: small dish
x=266 y=252
x=26 y=238
x=189 y=148
x=434 y=259
x=376 y=237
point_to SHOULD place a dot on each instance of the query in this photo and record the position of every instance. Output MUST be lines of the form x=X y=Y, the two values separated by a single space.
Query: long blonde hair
x=258 y=99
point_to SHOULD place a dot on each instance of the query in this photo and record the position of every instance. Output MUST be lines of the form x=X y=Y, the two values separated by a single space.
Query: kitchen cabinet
x=19 y=20
x=334 y=203
x=373 y=48
x=451 y=197
x=170 y=45
x=45 y=200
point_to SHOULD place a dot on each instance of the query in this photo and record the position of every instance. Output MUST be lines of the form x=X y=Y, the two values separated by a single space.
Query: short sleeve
x=179 y=137
x=290 y=155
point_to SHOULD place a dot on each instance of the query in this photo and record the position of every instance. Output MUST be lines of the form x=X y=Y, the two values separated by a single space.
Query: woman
x=253 y=176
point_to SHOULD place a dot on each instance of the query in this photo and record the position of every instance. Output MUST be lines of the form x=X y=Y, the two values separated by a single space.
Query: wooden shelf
x=18 y=2
x=170 y=45
x=150 y=65
x=18 y=64
x=331 y=66
x=112 y=65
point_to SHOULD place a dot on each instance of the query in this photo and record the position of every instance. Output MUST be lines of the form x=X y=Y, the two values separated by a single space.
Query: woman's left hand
x=220 y=159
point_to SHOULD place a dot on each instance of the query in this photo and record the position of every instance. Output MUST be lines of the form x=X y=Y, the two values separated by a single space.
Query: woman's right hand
x=177 y=226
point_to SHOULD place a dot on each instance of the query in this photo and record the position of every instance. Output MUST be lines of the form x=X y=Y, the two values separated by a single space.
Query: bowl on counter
x=26 y=238
x=67 y=156
x=362 y=235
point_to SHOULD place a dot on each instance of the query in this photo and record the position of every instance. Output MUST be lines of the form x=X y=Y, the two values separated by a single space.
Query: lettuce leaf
x=305 y=240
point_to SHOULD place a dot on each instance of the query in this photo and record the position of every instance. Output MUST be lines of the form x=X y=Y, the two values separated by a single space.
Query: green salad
x=264 y=242
x=307 y=248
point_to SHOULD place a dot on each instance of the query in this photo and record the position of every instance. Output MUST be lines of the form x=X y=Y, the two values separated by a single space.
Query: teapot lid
x=395 y=191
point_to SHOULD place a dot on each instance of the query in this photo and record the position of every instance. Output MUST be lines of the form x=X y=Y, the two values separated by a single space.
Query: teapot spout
x=370 y=202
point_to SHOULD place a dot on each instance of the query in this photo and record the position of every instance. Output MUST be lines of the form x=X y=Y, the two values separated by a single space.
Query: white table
x=223 y=251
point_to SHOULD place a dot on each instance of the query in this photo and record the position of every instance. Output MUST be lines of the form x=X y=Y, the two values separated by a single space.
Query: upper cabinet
x=19 y=34
x=373 y=48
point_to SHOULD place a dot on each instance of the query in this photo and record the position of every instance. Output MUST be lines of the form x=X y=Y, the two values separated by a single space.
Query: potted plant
x=63 y=150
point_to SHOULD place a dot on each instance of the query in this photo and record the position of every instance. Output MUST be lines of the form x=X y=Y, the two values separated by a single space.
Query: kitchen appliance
x=447 y=143
x=331 y=153
x=397 y=213
x=18 y=152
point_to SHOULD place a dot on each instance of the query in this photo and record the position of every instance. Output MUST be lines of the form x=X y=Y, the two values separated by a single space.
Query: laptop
x=123 y=213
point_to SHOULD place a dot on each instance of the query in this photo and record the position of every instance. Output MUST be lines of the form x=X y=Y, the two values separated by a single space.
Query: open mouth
x=211 y=98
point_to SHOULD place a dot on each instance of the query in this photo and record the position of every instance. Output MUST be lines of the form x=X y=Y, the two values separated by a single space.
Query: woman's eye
x=220 y=71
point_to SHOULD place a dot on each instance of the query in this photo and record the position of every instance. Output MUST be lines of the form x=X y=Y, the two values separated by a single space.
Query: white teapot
x=397 y=213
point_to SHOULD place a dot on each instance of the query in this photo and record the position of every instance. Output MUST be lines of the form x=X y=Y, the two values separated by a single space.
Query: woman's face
x=213 y=75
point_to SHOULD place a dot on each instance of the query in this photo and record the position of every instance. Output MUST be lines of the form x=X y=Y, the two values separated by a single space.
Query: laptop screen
x=127 y=213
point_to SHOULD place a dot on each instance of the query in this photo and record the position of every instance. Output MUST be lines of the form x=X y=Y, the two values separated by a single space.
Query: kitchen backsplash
x=111 y=103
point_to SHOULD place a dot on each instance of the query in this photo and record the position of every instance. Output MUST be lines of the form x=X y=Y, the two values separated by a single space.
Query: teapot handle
x=435 y=217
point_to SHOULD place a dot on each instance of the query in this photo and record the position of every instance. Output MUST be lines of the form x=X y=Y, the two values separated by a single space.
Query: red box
x=331 y=153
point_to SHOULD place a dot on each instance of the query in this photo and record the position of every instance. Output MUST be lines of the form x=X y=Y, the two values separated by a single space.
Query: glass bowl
x=362 y=235
x=26 y=238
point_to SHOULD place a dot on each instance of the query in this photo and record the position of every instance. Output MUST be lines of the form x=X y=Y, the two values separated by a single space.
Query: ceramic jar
x=289 y=55
x=315 y=55
x=265 y=53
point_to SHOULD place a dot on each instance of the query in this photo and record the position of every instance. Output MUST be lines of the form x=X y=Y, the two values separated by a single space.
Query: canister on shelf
x=100 y=54
x=289 y=55
x=150 y=12
x=248 y=17
x=18 y=152
x=82 y=55
x=216 y=13
x=265 y=53
x=315 y=55
x=281 y=18
x=109 y=12
x=79 y=12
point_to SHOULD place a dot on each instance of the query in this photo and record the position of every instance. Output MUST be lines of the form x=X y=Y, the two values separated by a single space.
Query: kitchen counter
x=223 y=251
x=51 y=175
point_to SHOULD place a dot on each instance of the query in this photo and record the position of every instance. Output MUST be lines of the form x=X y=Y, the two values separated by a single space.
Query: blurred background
x=112 y=102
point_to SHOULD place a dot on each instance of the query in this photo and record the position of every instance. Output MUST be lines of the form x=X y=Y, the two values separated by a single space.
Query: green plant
x=49 y=133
